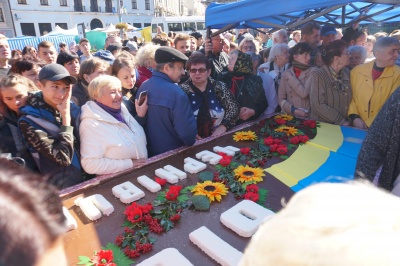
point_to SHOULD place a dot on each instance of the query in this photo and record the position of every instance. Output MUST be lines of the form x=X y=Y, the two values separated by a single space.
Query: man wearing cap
x=328 y=34
x=131 y=47
x=170 y=120
x=49 y=124
x=84 y=46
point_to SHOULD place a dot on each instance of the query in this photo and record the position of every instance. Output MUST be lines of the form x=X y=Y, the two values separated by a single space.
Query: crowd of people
x=71 y=113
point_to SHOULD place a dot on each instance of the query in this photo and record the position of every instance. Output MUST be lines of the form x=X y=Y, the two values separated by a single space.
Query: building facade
x=38 y=17
x=6 y=20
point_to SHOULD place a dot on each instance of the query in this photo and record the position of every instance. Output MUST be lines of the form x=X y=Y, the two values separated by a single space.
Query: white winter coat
x=108 y=145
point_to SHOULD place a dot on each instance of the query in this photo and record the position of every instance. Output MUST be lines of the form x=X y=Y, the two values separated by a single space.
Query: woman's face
x=303 y=58
x=111 y=97
x=283 y=58
x=297 y=37
x=127 y=76
x=32 y=74
x=73 y=67
x=369 y=46
x=199 y=73
x=232 y=61
x=355 y=59
x=344 y=58
x=100 y=70
x=14 y=97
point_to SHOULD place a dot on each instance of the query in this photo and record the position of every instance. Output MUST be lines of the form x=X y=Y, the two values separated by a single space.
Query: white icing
x=180 y=174
x=70 y=222
x=215 y=247
x=164 y=174
x=192 y=166
x=127 y=192
x=148 y=183
x=166 y=257
x=225 y=150
x=245 y=217
x=208 y=156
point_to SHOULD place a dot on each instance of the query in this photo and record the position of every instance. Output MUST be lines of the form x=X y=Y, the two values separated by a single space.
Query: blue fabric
x=170 y=119
x=244 y=14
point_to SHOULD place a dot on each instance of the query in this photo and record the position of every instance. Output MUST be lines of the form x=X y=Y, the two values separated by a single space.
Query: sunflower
x=244 y=135
x=249 y=174
x=213 y=190
x=284 y=117
x=290 y=131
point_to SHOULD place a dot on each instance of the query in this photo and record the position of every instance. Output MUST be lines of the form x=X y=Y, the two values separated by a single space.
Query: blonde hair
x=97 y=85
x=330 y=224
x=15 y=79
x=146 y=53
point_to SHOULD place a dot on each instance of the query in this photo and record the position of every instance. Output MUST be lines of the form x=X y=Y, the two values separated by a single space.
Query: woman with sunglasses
x=213 y=104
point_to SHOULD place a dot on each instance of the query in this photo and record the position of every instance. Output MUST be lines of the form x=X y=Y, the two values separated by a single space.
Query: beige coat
x=295 y=91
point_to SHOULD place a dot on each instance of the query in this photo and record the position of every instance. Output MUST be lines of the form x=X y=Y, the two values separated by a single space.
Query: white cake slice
x=149 y=183
x=102 y=204
x=224 y=150
x=166 y=257
x=164 y=174
x=127 y=192
x=208 y=156
x=88 y=208
x=70 y=222
x=192 y=166
x=180 y=174
x=215 y=247
x=245 y=217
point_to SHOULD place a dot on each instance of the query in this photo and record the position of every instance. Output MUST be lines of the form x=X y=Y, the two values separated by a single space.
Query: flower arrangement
x=212 y=190
x=122 y=26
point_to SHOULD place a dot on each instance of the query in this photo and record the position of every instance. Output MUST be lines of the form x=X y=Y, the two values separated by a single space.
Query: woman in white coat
x=111 y=139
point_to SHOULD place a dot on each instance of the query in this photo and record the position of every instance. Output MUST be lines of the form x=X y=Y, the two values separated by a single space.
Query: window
x=63 y=2
x=22 y=2
x=137 y=25
x=44 y=28
x=78 y=5
x=175 y=26
x=147 y=4
x=149 y=24
x=189 y=26
x=154 y=27
x=28 y=29
x=1 y=15
x=63 y=26
x=109 y=8
x=94 y=6
x=201 y=25
x=134 y=4
x=44 y=2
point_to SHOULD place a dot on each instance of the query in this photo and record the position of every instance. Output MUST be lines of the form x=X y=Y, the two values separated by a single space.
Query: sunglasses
x=200 y=70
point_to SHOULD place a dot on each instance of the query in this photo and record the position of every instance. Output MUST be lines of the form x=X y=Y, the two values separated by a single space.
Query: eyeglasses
x=200 y=70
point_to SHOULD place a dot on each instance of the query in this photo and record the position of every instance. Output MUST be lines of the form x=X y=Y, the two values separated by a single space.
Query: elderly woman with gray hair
x=111 y=139
x=358 y=54
x=277 y=63
x=145 y=63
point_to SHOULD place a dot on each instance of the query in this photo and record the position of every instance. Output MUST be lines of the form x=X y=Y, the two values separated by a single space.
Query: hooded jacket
x=108 y=145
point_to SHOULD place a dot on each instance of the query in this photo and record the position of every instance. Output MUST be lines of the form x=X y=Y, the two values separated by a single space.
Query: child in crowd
x=28 y=66
x=14 y=92
x=47 y=52
x=49 y=124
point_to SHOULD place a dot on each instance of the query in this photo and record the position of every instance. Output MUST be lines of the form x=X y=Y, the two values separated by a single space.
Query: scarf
x=116 y=113
x=243 y=66
x=377 y=71
x=204 y=120
x=298 y=67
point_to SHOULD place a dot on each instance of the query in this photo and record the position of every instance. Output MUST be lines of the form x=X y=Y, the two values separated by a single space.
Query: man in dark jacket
x=170 y=119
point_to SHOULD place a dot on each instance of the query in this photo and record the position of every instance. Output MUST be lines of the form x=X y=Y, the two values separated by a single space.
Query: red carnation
x=304 y=138
x=252 y=196
x=252 y=188
x=310 y=123
x=280 y=121
x=175 y=218
x=103 y=258
x=225 y=161
x=173 y=193
x=161 y=181
x=245 y=150
x=146 y=208
x=273 y=147
x=282 y=149
x=295 y=140
x=268 y=141
x=133 y=213
x=277 y=141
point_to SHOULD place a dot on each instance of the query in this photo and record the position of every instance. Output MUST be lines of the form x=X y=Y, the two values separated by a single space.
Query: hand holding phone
x=142 y=97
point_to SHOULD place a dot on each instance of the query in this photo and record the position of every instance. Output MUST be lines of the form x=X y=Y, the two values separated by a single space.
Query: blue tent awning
x=293 y=13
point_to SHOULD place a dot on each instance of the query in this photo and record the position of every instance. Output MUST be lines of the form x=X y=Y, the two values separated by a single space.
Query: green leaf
x=262 y=196
x=186 y=189
x=120 y=258
x=183 y=198
x=263 y=147
x=201 y=202
x=206 y=176
x=125 y=243
x=167 y=224
x=152 y=240
x=284 y=157
x=84 y=260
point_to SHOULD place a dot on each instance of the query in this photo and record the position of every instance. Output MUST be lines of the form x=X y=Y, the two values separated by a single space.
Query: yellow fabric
x=328 y=137
x=369 y=94
x=146 y=33
x=303 y=162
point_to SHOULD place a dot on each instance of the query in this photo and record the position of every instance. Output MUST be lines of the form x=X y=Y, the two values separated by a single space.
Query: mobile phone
x=142 y=97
